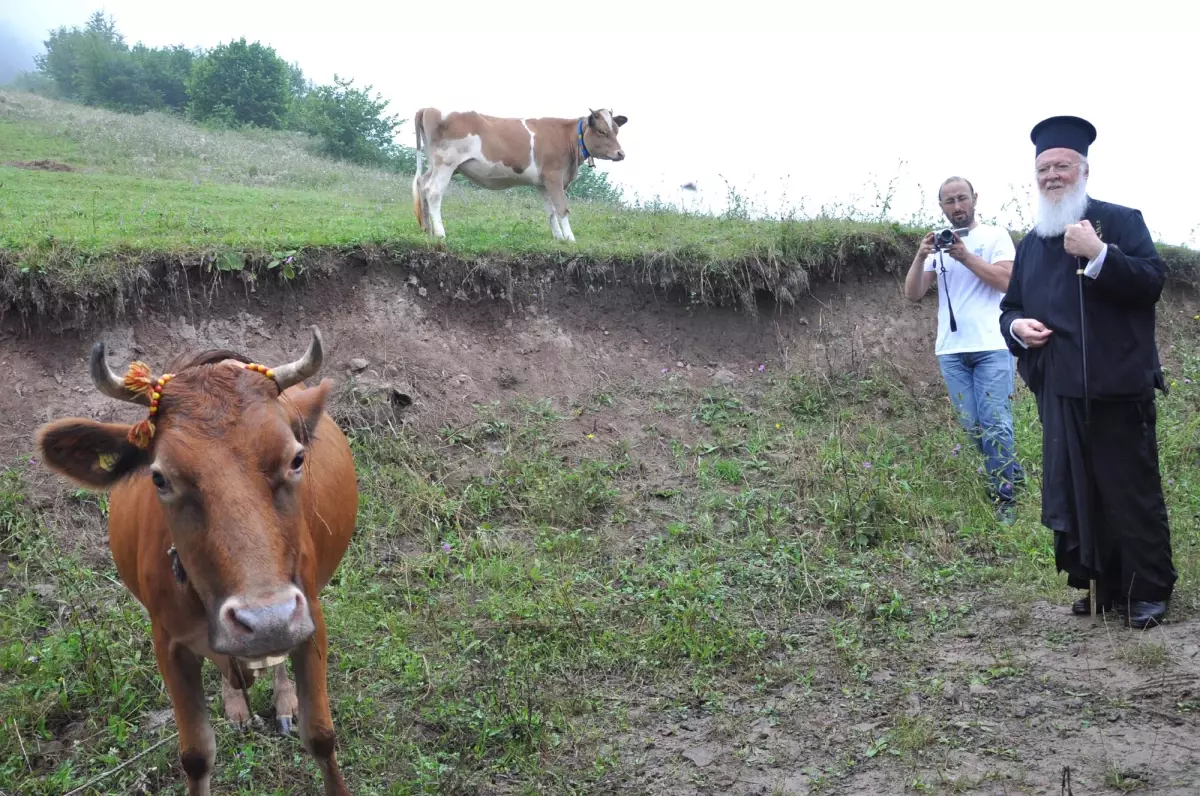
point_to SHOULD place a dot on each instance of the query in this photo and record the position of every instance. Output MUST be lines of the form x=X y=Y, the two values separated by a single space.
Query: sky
x=794 y=104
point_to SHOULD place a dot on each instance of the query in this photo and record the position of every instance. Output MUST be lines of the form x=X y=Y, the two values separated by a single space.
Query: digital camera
x=944 y=238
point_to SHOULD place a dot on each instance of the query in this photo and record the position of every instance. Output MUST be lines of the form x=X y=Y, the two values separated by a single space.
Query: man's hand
x=1081 y=240
x=1034 y=333
x=958 y=249
x=926 y=247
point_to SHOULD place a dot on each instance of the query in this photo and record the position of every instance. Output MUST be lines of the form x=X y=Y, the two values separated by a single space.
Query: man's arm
x=1129 y=268
x=918 y=280
x=995 y=274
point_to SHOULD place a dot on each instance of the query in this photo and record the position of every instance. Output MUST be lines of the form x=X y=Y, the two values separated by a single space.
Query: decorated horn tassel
x=139 y=380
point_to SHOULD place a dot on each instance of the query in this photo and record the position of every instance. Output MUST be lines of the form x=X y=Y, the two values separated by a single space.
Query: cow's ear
x=592 y=120
x=94 y=455
x=620 y=120
x=305 y=408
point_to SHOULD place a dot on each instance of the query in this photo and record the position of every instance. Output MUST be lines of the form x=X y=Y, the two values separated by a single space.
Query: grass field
x=154 y=185
x=155 y=189
x=527 y=609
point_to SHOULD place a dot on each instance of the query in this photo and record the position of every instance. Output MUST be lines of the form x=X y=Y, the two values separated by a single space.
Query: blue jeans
x=980 y=384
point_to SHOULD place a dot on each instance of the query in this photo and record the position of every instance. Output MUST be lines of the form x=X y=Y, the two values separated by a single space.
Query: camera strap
x=946 y=288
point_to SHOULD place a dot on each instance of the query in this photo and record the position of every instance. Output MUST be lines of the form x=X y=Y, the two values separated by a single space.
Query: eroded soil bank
x=1073 y=694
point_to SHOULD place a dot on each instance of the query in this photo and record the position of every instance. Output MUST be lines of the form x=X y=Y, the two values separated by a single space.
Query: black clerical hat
x=1063 y=131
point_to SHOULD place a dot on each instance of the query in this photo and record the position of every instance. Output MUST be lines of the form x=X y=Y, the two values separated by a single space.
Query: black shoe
x=1083 y=606
x=1143 y=614
x=1006 y=504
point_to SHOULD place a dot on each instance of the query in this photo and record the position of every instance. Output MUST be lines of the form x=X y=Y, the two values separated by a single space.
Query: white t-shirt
x=976 y=303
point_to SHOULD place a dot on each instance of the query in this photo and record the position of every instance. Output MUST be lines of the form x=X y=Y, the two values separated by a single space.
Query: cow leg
x=436 y=183
x=555 y=229
x=316 y=721
x=235 y=685
x=285 y=699
x=180 y=671
x=559 y=197
x=237 y=712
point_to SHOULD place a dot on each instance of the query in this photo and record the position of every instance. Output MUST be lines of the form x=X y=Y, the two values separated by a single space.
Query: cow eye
x=298 y=461
x=160 y=481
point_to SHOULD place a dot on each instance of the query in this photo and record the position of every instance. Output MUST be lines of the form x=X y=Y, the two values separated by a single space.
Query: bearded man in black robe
x=1102 y=492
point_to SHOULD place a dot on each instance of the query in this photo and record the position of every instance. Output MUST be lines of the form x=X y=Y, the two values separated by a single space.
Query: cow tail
x=420 y=122
x=420 y=125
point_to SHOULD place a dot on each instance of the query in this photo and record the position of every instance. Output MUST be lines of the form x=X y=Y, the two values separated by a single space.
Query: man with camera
x=971 y=263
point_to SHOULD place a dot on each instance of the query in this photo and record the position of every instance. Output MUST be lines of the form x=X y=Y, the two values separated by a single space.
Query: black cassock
x=1112 y=525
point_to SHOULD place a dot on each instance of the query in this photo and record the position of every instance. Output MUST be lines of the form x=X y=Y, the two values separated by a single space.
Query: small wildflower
x=664 y=370
x=591 y=436
x=761 y=368
x=778 y=425
x=957 y=448
x=1187 y=381
x=288 y=261
x=445 y=547
x=1170 y=482
x=867 y=465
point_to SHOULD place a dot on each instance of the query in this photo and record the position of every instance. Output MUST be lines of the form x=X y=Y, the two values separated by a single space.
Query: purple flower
x=288 y=261
x=867 y=465
x=957 y=448
x=664 y=370
x=445 y=547
x=761 y=368
x=1187 y=381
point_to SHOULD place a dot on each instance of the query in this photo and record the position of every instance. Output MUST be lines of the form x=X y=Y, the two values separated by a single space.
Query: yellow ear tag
x=106 y=461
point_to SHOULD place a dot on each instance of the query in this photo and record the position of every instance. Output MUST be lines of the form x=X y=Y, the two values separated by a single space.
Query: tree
x=95 y=66
x=164 y=73
x=349 y=123
x=593 y=185
x=240 y=84
x=81 y=63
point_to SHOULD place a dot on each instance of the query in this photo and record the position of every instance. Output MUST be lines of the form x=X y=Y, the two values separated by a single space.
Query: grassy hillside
x=526 y=610
x=791 y=584
x=153 y=190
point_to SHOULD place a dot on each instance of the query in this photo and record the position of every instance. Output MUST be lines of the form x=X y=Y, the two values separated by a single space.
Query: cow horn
x=110 y=383
x=296 y=372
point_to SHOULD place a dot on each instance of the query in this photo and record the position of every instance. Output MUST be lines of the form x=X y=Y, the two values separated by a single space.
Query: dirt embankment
x=412 y=329
x=415 y=329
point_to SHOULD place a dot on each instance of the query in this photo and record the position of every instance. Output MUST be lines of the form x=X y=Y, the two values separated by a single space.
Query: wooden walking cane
x=1087 y=423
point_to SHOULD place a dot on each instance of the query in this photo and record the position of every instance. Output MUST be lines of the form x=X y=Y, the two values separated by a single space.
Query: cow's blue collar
x=583 y=150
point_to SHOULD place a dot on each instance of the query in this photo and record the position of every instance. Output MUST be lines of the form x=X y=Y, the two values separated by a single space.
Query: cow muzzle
x=256 y=628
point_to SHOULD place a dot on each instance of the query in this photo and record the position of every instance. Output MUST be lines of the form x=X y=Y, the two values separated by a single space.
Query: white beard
x=1053 y=217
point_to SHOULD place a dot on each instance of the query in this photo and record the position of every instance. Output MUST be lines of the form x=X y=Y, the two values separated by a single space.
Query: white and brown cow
x=497 y=153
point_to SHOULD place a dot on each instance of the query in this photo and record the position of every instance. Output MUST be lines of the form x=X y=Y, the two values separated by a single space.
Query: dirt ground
x=1078 y=697
x=385 y=326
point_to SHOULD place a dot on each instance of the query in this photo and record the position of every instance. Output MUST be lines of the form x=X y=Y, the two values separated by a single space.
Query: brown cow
x=496 y=154
x=229 y=510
